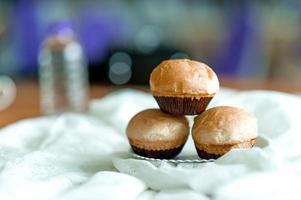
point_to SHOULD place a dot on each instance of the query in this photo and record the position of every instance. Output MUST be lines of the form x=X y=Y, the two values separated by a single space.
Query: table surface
x=26 y=104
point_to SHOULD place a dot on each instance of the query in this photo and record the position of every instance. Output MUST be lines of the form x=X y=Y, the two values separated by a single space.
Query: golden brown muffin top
x=183 y=77
x=155 y=129
x=224 y=125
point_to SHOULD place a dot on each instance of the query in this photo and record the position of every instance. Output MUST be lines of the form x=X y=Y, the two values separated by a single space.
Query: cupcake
x=220 y=129
x=183 y=87
x=155 y=134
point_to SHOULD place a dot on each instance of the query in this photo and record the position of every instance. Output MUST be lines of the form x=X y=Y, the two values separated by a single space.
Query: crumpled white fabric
x=76 y=156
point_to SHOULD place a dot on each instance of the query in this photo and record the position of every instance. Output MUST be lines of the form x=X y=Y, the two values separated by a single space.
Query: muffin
x=220 y=129
x=183 y=87
x=155 y=134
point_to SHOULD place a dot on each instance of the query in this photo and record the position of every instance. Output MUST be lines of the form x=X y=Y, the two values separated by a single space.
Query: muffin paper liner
x=204 y=155
x=183 y=105
x=221 y=148
x=161 y=154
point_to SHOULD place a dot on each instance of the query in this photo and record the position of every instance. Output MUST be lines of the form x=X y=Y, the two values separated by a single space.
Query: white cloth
x=78 y=157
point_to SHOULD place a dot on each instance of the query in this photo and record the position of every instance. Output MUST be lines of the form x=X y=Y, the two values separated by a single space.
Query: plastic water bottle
x=7 y=92
x=63 y=72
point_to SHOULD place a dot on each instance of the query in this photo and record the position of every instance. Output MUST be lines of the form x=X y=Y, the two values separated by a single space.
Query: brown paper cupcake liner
x=204 y=155
x=183 y=105
x=160 y=154
x=222 y=148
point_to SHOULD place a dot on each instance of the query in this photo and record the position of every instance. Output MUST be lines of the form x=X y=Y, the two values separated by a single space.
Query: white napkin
x=69 y=157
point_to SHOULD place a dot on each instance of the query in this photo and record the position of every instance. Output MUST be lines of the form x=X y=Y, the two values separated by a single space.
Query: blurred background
x=245 y=39
x=250 y=44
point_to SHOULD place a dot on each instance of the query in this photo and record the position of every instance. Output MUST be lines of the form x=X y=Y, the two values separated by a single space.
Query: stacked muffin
x=186 y=87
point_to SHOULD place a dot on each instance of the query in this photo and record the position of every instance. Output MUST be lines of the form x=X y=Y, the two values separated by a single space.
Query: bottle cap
x=61 y=28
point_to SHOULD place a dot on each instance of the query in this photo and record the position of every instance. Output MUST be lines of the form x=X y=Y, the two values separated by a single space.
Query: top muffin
x=183 y=78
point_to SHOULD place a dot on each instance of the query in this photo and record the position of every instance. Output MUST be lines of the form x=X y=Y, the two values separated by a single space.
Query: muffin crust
x=183 y=78
x=153 y=129
x=224 y=125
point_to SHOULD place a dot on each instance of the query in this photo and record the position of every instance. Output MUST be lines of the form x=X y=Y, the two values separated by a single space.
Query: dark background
x=246 y=39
